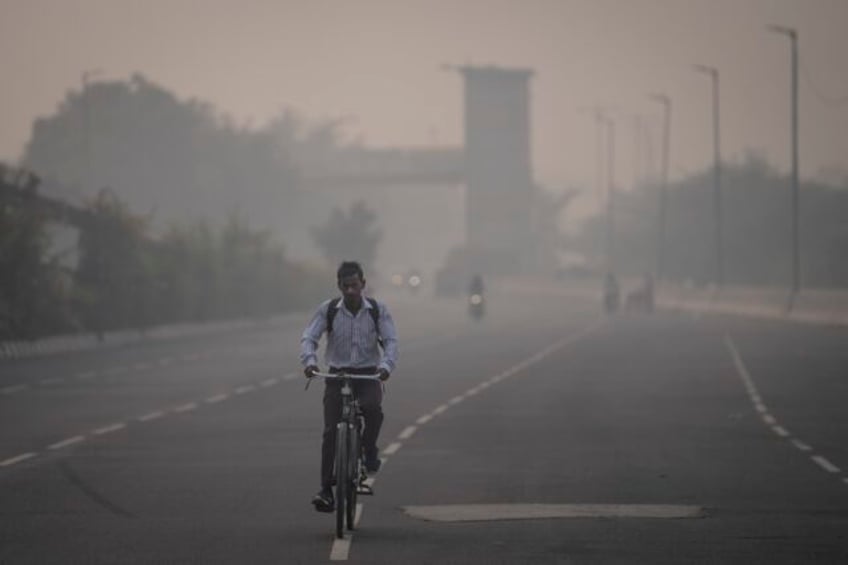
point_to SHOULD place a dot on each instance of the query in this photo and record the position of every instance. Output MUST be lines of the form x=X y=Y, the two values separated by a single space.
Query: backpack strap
x=333 y=307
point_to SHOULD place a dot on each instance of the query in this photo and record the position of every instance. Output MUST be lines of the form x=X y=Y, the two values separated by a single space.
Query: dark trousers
x=370 y=397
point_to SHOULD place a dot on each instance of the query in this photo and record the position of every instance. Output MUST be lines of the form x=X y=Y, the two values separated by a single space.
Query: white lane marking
x=186 y=407
x=768 y=418
x=66 y=442
x=86 y=375
x=439 y=409
x=109 y=429
x=245 y=389
x=17 y=459
x=407 y=432
x=423 y=419
x=269 y=382
x=825 y=464
x=217 y=398
x=151 y=416
x=52 y=380
x=289 y=376
x=801 y=445
x=12 y=389
x=392 y=448
x=341 y=548
x=780 y=430
x=486 y=512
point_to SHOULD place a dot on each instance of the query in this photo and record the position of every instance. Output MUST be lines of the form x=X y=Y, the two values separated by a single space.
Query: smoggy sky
x=378 y=62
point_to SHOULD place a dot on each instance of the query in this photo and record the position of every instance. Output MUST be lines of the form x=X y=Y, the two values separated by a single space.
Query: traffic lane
x=170 y=474
x=66 y=369
x=48 y=417
x=160 y=470
x=44 y=420
x=228 y=483
x=615 y=420
x=799 y=372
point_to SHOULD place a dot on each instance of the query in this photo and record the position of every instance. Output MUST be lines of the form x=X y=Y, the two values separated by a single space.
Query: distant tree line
x=125 y=278
x=757 y=229
x=185 y=232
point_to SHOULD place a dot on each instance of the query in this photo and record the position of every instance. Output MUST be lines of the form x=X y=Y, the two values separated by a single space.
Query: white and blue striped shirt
x=353 y=341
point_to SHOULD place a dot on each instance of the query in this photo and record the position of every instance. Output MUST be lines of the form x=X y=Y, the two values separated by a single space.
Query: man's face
x=351 y=287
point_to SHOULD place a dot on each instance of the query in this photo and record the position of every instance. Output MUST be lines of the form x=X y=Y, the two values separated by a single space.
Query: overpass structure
x=494 y=165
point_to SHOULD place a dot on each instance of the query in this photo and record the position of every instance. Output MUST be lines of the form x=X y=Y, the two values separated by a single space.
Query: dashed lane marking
x=151 y=416
x=825 y=464
x=17 y=459
x=767 y=418
x=217 y=398
x=12 y=389
x=52 y=381
x=188 y=407
x=392 y=447
x=801 y=445
x=341 y=547
x=66 y=442
x=407 y=432
x=109 y=429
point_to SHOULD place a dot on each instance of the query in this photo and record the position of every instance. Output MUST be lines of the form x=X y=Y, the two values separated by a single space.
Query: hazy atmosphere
x=377 y=65
x=569 y=280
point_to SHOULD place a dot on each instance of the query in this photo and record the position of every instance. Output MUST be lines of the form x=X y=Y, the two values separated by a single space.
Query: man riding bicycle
x=356 y=327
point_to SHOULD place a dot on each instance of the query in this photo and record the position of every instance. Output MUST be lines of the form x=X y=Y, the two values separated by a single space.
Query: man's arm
x=310 y=338
x=388 y=333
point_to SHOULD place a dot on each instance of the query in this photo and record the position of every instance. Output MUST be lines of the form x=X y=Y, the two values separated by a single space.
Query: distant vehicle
x=476 y=306
x=413 y=280
x=611 y=293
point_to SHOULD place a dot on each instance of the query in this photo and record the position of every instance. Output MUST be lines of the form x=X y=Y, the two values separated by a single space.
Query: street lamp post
x=792 y=34
x=666 y=104
x=610 y=229
x=86 y=117
x=712 y=72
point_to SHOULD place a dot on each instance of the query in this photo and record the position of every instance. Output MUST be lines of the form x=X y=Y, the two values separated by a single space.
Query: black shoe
x=323 y=500
x=372 y=464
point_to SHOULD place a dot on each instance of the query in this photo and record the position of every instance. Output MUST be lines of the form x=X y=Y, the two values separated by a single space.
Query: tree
x=349 y=236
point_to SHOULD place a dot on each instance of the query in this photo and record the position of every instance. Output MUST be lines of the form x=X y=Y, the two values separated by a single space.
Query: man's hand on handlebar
x=310 y=371
x=384 y=375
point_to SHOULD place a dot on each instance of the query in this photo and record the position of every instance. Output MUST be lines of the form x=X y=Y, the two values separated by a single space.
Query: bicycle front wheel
x=353 y=470
x=342 y=476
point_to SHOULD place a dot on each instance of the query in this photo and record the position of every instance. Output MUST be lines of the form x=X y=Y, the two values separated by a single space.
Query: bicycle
x=349 y=466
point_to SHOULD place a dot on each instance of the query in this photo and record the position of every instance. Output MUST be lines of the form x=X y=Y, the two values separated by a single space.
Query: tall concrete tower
x=498 y=166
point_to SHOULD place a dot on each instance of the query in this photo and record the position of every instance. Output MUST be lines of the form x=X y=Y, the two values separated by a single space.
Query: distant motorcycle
x=476 y=306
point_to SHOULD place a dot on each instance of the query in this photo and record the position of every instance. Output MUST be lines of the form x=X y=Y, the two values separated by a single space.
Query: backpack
x=333 y=307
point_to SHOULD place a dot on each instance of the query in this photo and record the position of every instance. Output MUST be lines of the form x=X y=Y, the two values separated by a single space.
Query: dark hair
x=348 y=269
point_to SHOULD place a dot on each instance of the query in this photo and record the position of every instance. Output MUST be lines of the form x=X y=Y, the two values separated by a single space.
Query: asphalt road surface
x=546 y=433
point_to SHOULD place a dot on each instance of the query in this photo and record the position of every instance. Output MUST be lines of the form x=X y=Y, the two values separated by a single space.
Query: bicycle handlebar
x=332 y=376
x=320 y=375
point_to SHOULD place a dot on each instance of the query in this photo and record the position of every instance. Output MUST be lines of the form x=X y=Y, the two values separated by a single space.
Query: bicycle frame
x=349 y=468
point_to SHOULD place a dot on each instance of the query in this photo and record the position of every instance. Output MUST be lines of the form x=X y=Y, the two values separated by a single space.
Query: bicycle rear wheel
x=354 y=462
x=342 y=473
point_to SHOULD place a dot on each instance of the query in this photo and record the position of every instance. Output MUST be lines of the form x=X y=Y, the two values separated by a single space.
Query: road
x=544 y=434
